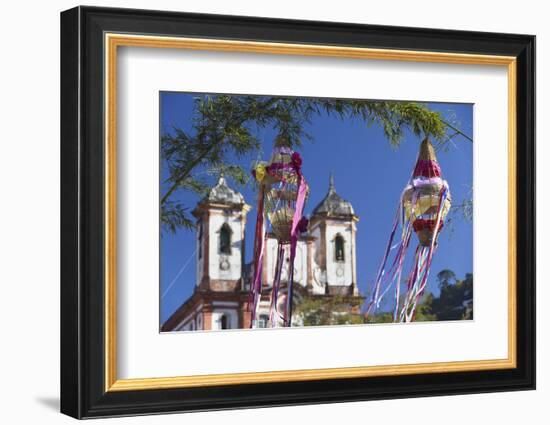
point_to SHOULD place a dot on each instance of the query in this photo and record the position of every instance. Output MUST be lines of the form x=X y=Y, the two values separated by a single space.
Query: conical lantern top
x=427 y=165
x=427 y=152
x=283 y=141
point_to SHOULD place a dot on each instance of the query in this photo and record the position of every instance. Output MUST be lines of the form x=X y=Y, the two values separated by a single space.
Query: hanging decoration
x=423 y=206
x=282 y=192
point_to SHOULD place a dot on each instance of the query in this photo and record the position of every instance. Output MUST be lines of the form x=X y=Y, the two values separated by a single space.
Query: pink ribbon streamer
x=300 y=201
x=273 y=309
x=259 y=246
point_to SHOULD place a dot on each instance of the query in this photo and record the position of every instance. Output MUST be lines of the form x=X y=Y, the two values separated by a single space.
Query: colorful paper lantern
x=423 y=207
x=422 y=197
x=282 y=192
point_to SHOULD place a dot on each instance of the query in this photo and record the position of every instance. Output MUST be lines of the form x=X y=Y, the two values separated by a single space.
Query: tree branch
x=457 y=130
x=188 y=170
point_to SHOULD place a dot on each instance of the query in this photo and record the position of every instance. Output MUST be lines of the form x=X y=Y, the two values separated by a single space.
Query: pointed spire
x=332 y=203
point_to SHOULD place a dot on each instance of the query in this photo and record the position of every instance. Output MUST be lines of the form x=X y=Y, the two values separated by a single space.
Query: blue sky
x=368 y=172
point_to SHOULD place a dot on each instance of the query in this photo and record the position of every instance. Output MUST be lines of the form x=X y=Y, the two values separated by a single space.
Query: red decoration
x=296 y=161
x=427 y=168
x=422 y=224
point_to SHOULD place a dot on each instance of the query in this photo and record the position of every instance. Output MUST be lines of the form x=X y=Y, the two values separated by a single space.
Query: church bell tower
x=221 y=221
x=333 y=224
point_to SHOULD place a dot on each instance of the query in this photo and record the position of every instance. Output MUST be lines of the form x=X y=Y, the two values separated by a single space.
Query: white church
x=325 y=264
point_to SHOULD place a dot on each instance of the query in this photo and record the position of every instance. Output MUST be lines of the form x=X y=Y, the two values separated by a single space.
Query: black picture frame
x=83 y=392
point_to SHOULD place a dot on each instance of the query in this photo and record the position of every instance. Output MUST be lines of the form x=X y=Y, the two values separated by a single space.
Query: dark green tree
x=424 y=312
x=446 y=277
x=455 y=301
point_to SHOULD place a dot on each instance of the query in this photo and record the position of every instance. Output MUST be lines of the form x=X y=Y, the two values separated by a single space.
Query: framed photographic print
x=261 y=212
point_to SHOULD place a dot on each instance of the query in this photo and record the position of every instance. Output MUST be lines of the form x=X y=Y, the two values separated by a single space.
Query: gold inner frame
x=113 y=41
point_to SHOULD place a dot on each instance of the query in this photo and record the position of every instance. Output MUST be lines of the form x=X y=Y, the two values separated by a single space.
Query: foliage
x=446 y=277
x=330 y=310
x=224 y=126
x=464 y=209
x=174 y=215
x=454 y=301
x=383 y=317
x=423 y=312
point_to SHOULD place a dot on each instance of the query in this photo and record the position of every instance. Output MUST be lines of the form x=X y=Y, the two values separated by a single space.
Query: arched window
x=225 y=239
x=263 y=321
x=224 y=322
x=339 y=248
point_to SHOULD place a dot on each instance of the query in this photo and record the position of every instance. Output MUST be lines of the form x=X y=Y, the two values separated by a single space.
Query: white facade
x=225 y=266
x=224 y=316
x=300 y=263
x=337 y=271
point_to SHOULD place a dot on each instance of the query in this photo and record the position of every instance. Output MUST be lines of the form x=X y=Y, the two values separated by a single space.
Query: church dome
x=223 y=194
x=333 y=204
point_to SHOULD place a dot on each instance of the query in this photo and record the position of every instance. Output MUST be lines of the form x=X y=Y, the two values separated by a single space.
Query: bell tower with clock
x=333 y=224
x=221 y=222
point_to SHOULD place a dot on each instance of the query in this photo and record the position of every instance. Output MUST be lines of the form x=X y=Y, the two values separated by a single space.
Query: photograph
x=280 y=212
